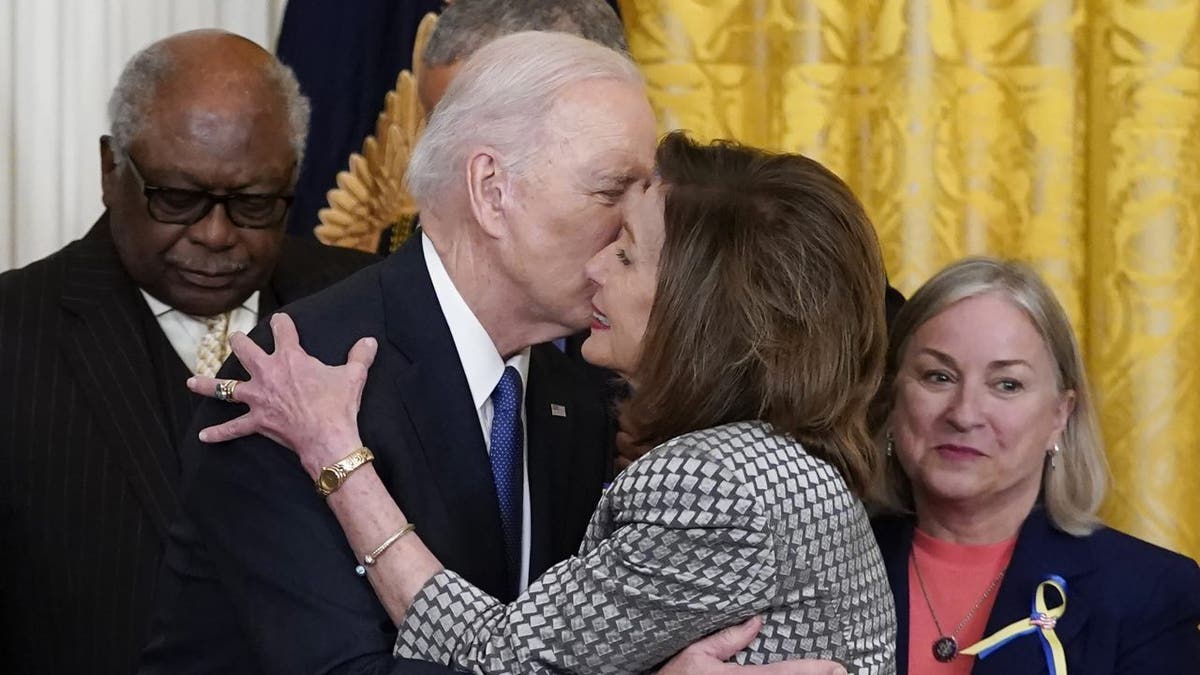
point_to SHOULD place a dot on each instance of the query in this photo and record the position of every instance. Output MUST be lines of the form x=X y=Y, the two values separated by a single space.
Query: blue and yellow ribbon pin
x=1042 y=621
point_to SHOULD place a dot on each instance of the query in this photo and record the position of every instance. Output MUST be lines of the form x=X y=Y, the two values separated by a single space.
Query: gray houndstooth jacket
x=703 y=532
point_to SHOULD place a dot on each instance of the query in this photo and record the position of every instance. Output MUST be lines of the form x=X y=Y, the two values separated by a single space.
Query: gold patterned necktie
x=214 y=346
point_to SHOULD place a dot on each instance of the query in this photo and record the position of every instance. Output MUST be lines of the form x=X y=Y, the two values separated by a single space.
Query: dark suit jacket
x=262 y=577
x=1132 y=608
x=91 y=404
x=893 y=300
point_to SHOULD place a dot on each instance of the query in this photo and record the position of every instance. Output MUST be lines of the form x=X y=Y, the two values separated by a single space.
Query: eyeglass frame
x=149 y=190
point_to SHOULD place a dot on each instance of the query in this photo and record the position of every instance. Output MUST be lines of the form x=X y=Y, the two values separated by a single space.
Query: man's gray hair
x=500 y=98
x=467 y=25
x=139 y=81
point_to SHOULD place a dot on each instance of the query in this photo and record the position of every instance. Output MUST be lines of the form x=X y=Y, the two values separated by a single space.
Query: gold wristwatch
x=333 y=476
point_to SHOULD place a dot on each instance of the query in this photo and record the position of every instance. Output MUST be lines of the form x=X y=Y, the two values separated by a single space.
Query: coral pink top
x=956 y=577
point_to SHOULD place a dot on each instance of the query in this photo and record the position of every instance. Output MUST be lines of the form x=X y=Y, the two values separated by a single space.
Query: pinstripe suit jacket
x=91 y=405
x=705 y=531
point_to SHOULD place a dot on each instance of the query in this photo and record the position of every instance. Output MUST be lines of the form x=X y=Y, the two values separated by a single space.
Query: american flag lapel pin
x=558 y=410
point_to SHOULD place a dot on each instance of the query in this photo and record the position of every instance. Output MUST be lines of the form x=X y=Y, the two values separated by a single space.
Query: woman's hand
x=294 y=399
x=708 y=655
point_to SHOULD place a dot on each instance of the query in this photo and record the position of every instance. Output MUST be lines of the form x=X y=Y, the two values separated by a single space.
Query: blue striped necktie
x=506 y=454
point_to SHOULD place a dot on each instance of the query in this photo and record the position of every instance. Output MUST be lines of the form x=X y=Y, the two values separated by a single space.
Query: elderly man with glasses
x=97 y=340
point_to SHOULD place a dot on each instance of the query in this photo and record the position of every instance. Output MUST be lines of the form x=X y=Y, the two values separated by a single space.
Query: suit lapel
x=895 y=542
x=548 y=407
x=1041 y=550
x=437 y=401
x=268 y=300
x=170 y=372
x=107 y=349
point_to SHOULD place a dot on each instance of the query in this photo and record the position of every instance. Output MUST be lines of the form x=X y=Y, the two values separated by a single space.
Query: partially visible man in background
x=97 y=339
x=466 y=25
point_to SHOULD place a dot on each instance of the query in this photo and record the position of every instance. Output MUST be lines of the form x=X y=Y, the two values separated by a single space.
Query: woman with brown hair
x=743 y=301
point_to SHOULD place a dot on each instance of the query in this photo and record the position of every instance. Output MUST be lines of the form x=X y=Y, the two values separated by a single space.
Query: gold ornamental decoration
x=370 y=196
x=1064 y=133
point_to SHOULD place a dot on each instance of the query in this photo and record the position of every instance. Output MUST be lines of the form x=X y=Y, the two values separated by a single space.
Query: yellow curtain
x=1065 y=134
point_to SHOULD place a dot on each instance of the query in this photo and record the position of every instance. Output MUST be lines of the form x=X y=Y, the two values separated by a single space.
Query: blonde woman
x=996 y=471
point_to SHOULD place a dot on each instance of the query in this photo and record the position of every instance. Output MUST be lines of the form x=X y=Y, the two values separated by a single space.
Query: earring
x=891 y=444
x=1053 y=452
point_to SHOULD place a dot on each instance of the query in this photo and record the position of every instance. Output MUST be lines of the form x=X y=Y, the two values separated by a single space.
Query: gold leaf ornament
x=370 y=196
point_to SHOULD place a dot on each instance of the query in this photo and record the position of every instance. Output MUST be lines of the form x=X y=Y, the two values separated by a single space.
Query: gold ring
x=225 y=389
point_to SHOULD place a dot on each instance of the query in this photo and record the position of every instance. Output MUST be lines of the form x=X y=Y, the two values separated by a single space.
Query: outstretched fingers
x=707 y=656
x=363 y=352
x=247 y=352
x=238 y=427
x=806 y=667
x=284 y=331
x=205 y=386
x=243 y=391
x=728 y=641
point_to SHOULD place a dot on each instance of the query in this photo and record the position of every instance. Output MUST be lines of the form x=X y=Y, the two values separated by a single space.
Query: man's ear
x=487 y=187
x=108 y=170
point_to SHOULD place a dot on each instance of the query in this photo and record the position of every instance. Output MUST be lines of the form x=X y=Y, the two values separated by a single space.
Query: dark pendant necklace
x=945 y=648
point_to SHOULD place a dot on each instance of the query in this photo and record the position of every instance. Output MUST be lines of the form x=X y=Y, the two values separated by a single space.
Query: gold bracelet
x=371 y=558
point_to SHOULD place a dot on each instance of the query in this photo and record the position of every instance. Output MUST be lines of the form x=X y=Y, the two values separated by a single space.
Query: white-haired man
x=97 y=339
x=521 y=175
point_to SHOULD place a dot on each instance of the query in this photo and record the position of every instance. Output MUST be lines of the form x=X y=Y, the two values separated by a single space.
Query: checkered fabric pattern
x=703 y=532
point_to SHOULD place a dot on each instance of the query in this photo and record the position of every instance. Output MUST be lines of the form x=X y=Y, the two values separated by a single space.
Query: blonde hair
x=1073 y=492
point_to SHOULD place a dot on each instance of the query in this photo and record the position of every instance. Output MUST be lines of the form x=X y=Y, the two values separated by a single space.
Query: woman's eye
x=1009 y=386
x=622 y=257
x=936 y=376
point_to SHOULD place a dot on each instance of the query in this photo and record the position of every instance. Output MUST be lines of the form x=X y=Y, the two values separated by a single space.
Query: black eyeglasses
x=185 y=207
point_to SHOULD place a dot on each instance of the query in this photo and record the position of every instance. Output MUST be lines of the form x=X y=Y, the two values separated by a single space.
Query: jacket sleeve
x=690 y=552
x=258 y=577
x=1163 y=636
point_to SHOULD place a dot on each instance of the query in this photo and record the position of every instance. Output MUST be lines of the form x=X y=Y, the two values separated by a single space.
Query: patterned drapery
x=1063 y=133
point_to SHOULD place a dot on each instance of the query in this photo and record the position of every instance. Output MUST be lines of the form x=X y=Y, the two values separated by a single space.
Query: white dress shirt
x=483 y=367
x=185 y=331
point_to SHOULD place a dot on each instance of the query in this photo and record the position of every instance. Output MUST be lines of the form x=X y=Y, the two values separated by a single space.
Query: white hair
x=150 y=67
x=501 y=98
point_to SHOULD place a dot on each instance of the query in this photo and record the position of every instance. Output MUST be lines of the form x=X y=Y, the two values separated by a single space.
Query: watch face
x=327 y=480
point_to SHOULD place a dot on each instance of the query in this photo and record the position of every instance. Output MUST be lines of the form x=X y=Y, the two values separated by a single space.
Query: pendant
x=945 y=649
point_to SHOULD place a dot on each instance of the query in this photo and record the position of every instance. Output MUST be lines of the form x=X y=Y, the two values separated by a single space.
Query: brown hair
x=769 y=304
